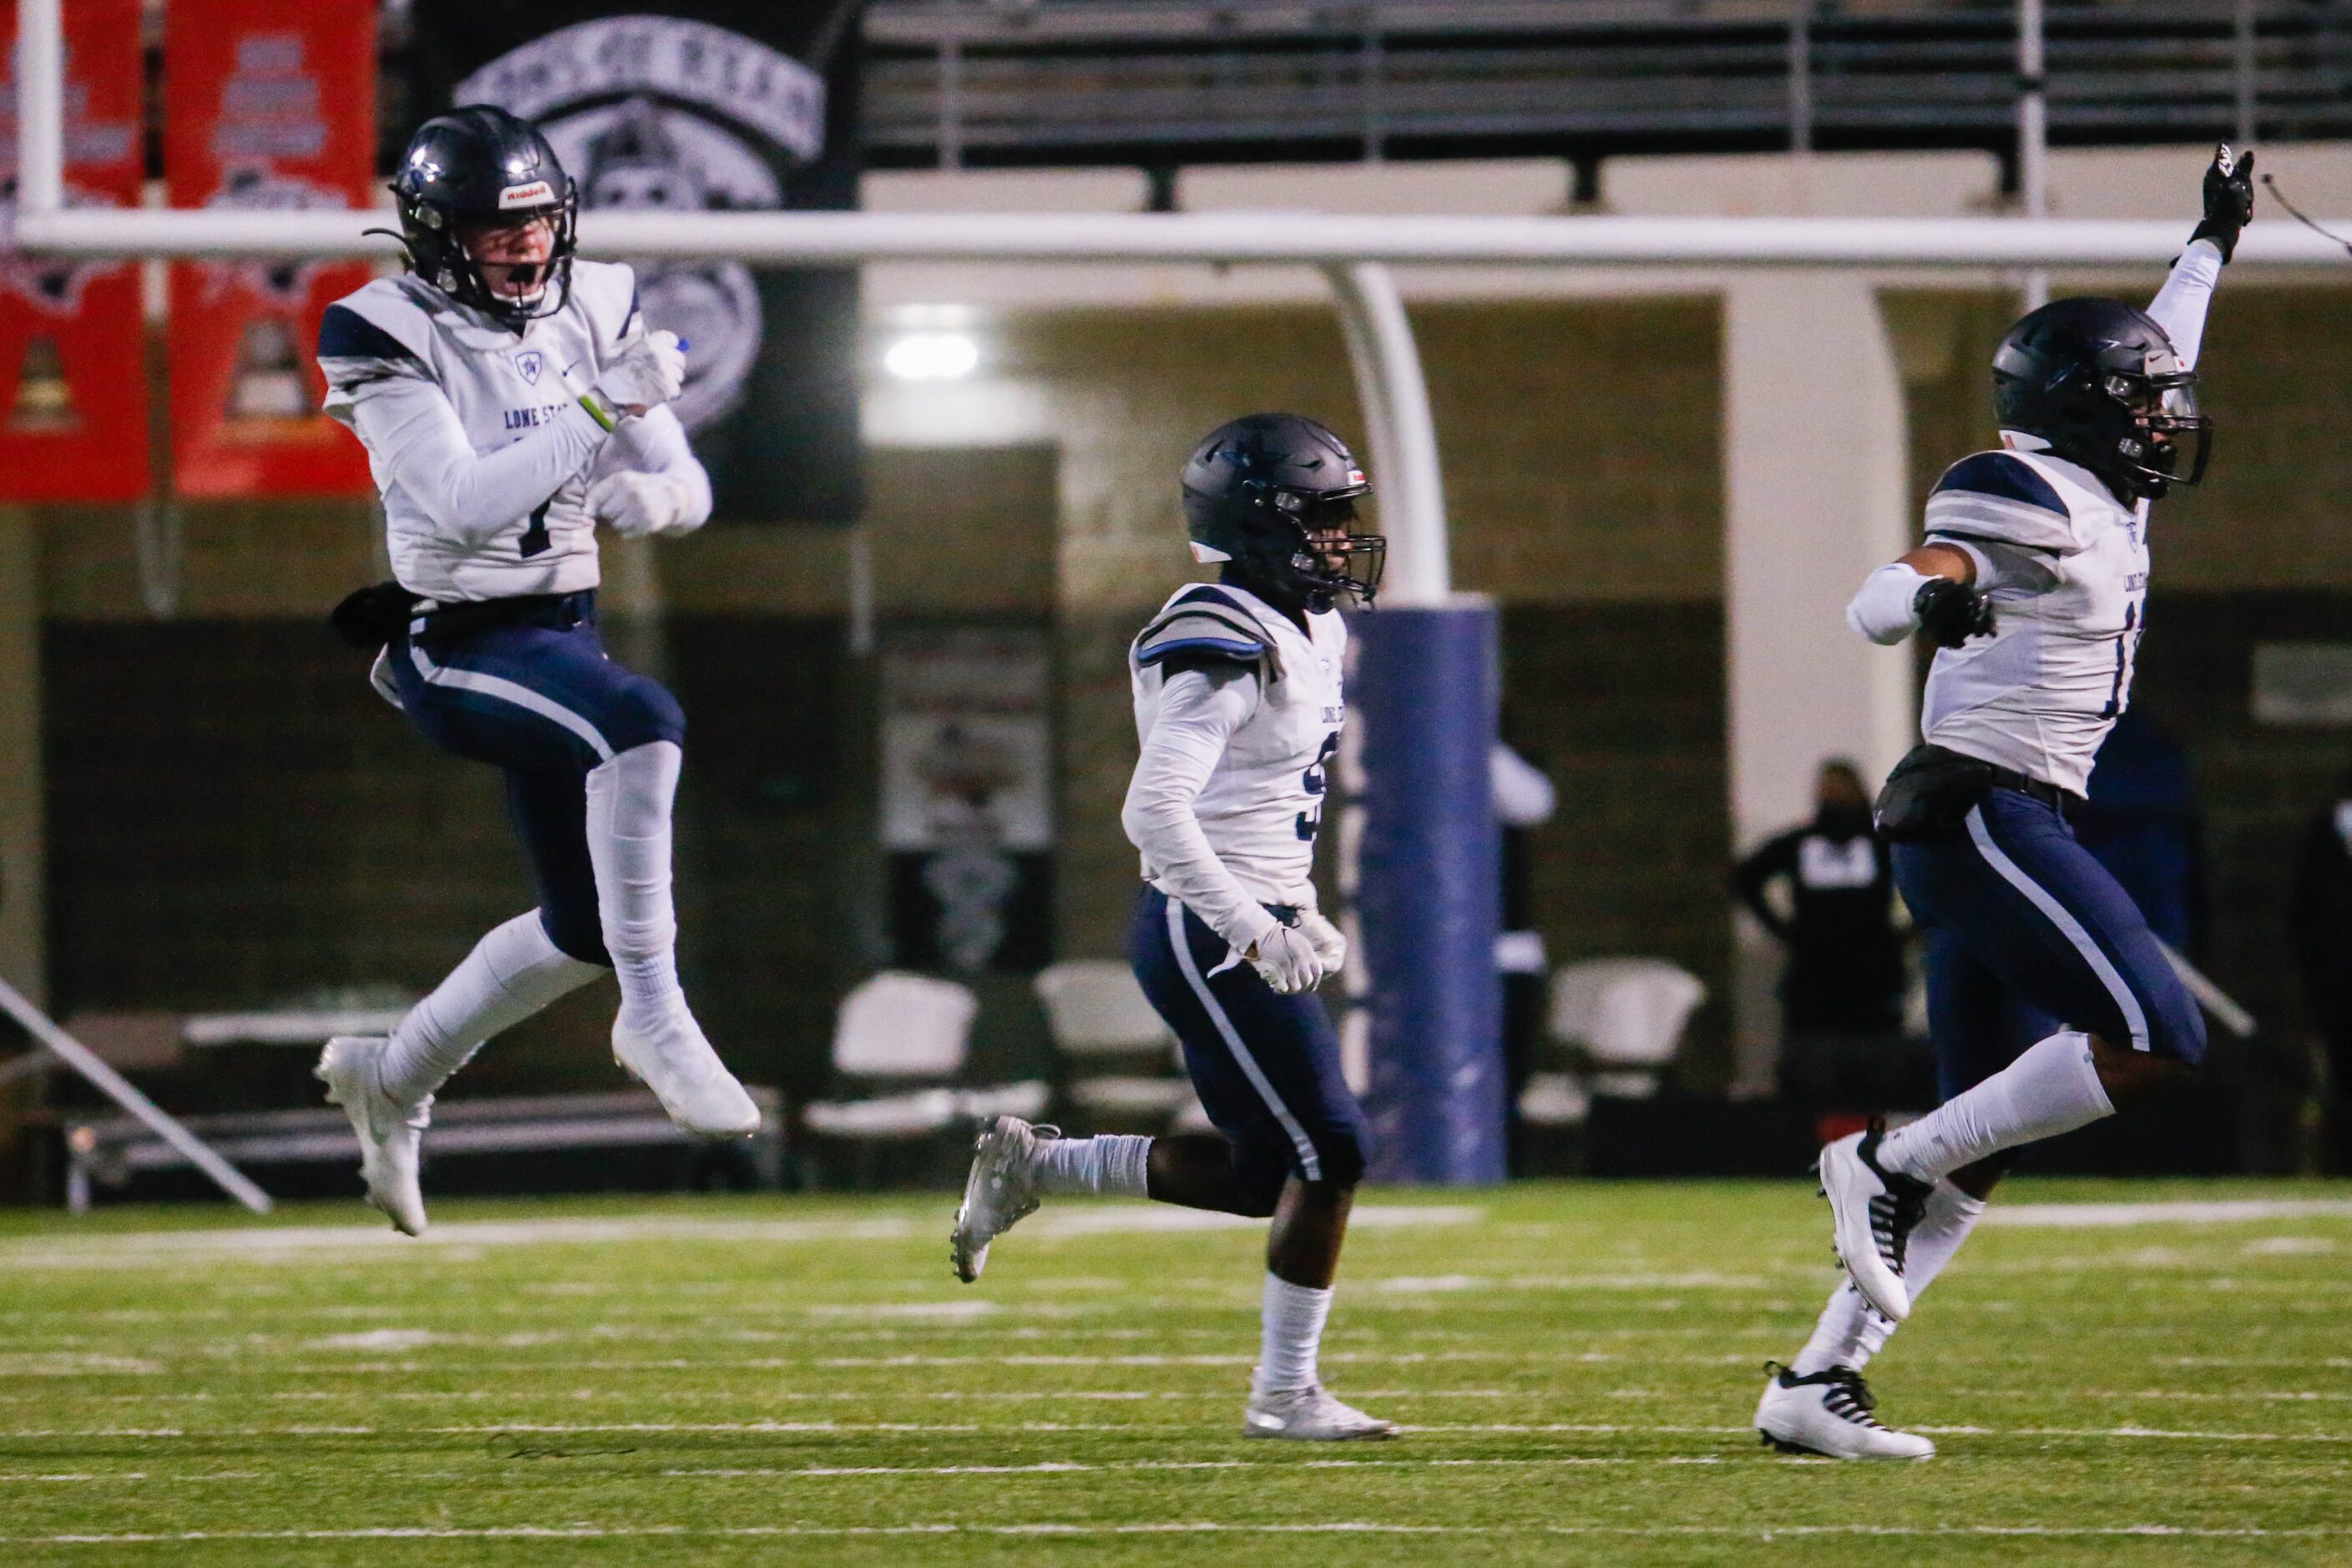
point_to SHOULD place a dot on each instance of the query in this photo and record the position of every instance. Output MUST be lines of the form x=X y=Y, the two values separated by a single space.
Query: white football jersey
x=2066 y=563
x=1263 y=805
x=503 y=386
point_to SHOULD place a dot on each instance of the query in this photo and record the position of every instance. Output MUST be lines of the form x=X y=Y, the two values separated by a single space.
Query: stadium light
x=931 y=357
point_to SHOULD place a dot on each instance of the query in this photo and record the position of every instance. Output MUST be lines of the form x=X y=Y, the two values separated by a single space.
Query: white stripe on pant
x=507 y=691
x=1309 y=1166
x=2135 y=1017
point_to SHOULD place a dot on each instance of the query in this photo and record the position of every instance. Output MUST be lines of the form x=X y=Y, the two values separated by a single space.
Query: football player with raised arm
x=511 y=400
x=1237 y=709
x=2050 y=1002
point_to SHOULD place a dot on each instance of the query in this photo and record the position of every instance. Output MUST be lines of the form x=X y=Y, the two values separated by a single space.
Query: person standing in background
x=1846 y=977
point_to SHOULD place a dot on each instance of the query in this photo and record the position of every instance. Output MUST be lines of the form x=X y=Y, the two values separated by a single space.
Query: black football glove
x=1952 y=613
x=2229 y=199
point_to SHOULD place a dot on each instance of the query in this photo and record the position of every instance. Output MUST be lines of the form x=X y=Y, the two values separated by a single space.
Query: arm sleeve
x=655 y=443
x=2180 y=306
x=1199 y=711
x=1881 y=609
x=1774 y=858
x=414 y=436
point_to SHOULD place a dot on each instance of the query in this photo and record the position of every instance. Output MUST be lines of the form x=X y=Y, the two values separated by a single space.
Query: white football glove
x=638 y=505
x=649 y=370
x=1326 y=939
x=1288 y=961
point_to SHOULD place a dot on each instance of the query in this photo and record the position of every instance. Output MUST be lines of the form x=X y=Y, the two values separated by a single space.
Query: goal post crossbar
x=1216 y=238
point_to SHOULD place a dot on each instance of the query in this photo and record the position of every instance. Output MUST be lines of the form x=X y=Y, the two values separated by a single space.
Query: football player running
x=2050 y=1002
x=1238 y=709
x=511 y=400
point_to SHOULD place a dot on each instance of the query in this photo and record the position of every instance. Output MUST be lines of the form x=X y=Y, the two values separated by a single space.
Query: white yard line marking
x=1435 y=1429
x=2218 y=1211
x=262 y=1243
x=1190 y=1527
x=1443 y=1284
x=1058 y=1466
x=2205 y=1395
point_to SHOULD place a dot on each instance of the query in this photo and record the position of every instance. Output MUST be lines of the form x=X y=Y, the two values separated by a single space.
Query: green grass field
x=799 y=1381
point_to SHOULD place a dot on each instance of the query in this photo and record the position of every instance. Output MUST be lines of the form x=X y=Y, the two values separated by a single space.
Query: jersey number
x=534 y=538
x=2127 y=645
x=1310 y=821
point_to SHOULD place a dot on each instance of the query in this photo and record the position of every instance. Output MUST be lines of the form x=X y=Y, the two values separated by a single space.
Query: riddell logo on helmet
x=538 y=193
x=1355 y=476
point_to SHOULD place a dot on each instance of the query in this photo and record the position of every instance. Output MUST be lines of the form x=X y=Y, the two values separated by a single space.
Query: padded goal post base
x=1421 y=864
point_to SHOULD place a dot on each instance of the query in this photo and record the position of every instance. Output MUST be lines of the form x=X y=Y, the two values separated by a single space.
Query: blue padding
x=1424 y=686
x=344 y=334
x=2002 y=475
x=1217 y=647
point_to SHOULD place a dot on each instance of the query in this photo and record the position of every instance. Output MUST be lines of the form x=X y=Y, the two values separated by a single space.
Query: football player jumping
x=512 y=399
x=1238 y=707
x=2050 y=1002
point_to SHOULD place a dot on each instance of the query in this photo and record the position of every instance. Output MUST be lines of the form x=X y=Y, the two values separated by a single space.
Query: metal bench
x=108 y=1152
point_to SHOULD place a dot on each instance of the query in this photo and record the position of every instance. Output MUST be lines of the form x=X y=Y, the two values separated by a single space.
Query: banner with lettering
x=268 y=105
x=702 y=106
x=73 y=367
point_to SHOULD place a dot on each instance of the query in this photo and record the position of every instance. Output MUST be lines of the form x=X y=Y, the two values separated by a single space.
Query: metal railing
x=1173 y=81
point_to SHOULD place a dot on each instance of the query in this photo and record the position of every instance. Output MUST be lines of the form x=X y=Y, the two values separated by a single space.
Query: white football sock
x=2054 y=1088
x=1290 y=1331
x=1850 y=1330
x=511 y=973
x=1109 y=1165
x=629 y=801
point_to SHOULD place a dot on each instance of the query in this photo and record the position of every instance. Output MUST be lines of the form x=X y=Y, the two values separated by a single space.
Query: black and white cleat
x=1831 y=1413
x=999 y=1193
x=1873 y=1212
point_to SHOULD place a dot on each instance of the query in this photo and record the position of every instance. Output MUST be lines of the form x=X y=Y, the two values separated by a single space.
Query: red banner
x=268 y=105
x=73 y=402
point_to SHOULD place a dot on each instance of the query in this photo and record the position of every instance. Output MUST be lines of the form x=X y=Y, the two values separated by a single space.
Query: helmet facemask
x=2164 y=412
x=1331 y=558
x=438 y=251
x=1302 y=545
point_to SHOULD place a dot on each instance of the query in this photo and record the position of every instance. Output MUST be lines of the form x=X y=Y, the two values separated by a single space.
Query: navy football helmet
x=1259 y=491
x=2103 y=384
x=478 y=165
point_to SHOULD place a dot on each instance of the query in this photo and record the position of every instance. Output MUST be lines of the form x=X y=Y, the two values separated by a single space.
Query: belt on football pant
x=555 y=612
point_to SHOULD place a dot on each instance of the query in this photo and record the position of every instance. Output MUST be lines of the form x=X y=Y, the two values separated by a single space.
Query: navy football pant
x=542 y=702
x=1267 y=1067
x=2027 y=934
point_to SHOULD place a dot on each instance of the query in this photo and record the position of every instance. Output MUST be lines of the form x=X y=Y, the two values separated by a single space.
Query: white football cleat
x=1001 y=1191
x=686 y=1075
x=1830 y=1412
x=1871 y=1215
x=1309 y=1415
x=389 y=1131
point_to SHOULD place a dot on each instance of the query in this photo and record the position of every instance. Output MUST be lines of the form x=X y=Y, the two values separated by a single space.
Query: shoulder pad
x=2000 y=498
x=378 y=321
x=1204 y=623
x=607 y=294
